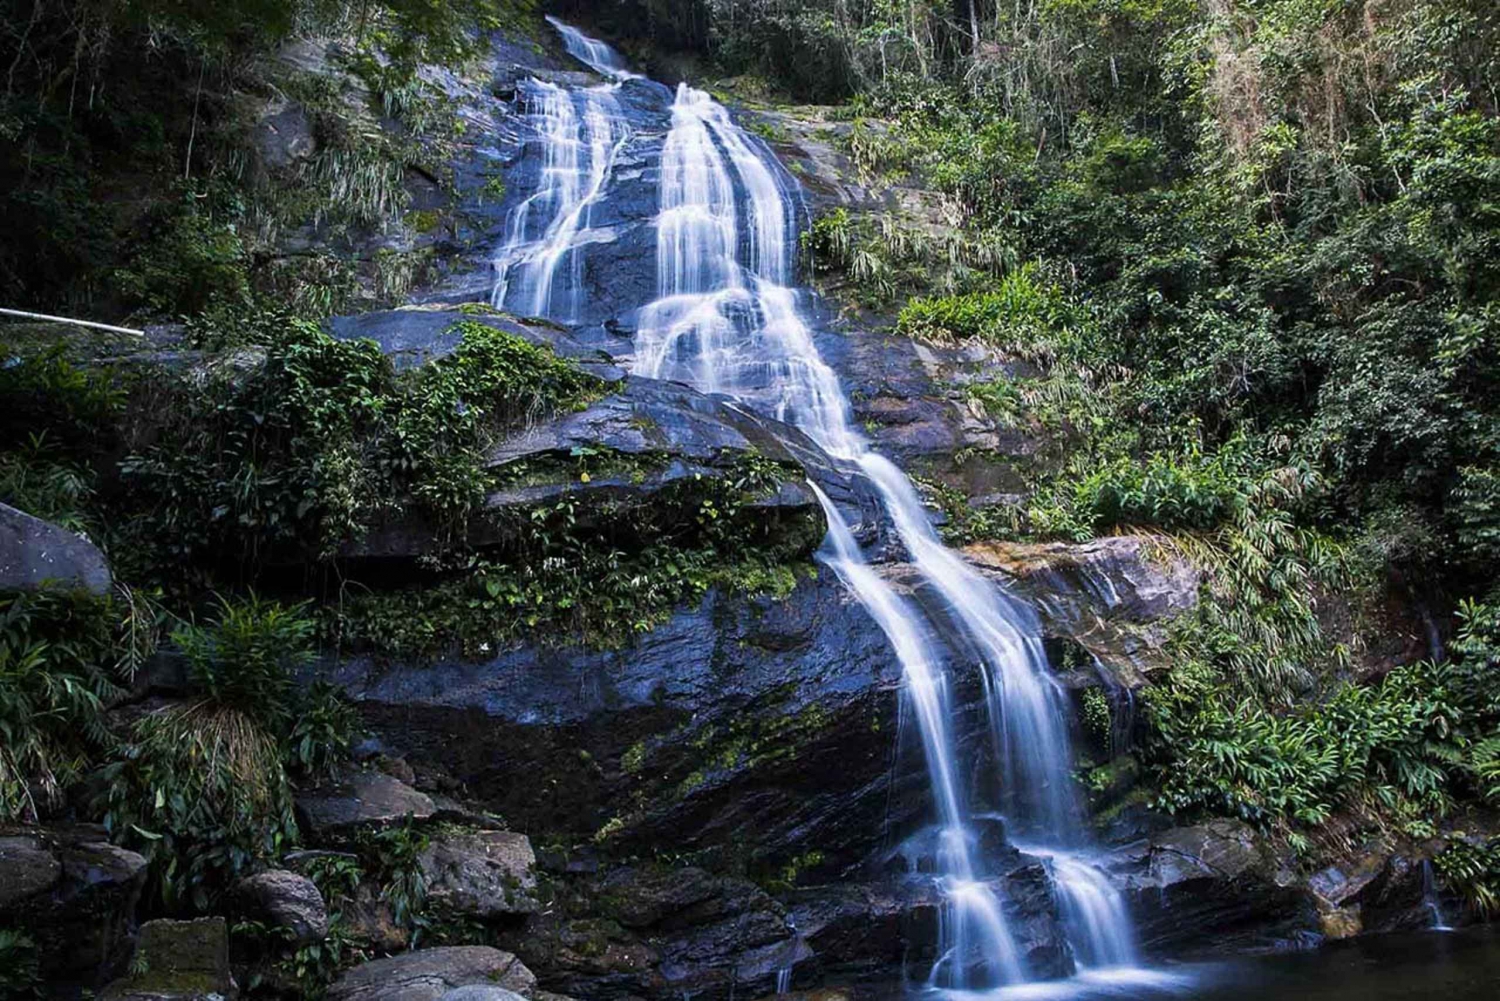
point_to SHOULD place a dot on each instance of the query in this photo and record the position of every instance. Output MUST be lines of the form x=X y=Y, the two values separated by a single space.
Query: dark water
x=1441 y=966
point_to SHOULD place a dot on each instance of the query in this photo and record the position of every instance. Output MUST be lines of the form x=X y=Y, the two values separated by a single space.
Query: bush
x=1407 y=747
x=1017 y=313
x=298 y=455
x=202 y=789
x=63 y=658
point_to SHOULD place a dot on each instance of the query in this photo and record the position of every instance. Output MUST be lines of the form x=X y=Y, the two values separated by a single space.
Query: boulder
x=361 y=798
x=480 y=874
x=416 y=335
x=177 y=961
x=75 y=894
x=1215 y=886
x=430 y=974
x=1113 y=596
x=36 y=554
x=665 y=932
x=286 y=900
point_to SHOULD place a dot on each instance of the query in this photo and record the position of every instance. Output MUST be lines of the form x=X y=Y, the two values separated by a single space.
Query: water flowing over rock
x=1112 y=596
x=726 y=319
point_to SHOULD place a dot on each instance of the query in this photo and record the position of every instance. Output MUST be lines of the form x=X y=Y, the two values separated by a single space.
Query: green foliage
x=247 y=657
x=63 y=658
x=600 y=573
x=202 y=788
x=201 y=791
x=291 y=449
x=1472 y=868
x=1405 y=748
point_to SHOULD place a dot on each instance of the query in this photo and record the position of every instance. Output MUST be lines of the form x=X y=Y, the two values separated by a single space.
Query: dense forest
x=1241 y=258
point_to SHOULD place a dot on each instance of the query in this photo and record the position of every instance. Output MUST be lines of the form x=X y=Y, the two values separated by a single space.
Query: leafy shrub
x=63 y=657
x=202 y=792
x=1403 y=747
x=202 y=788
x=1167 y=491
x=296 y=455
x=1472 y=868
x=1018 y=311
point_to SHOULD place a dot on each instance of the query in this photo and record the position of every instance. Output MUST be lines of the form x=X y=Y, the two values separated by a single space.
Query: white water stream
x=726 y=320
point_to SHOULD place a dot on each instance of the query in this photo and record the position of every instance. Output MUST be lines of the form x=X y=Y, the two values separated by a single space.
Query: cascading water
x=580 y=139
x=726 y=320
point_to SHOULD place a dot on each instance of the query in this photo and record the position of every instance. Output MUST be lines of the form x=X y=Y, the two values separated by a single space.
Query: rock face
x=1214 y=886
x=1113 y=596
x=430 y=974
x=482 y=874
x=288 y=901
x=363 y=798
x=35 y=554
x=75 y=894
x=663 y=932
x=749 y=726
x=178 y=961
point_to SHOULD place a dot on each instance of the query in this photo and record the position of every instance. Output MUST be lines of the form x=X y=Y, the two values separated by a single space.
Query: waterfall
x=726 y=319
x=593 y=53
x=581 y=137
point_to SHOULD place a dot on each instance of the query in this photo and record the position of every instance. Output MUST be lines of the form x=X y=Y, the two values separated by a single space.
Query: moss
x=423 y=221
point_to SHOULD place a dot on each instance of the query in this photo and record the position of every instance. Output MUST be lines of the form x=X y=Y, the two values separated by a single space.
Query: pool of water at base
x=1443 y=966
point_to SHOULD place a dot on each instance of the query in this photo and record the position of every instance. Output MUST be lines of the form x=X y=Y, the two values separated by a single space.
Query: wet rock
x=748 y=724
x=482 y=874
x=1214 y=886
x=430 y=974
x=178 y=960
x=361 y=798
x=415 y=335
x=36 y=554
x=286 y=900
x=75 y=894
x=1397 y=896
x=1113 y=596
x=1032 y=916
x=664 y=932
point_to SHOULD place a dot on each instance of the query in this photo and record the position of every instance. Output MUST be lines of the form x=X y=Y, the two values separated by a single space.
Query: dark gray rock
x=413 y=336
x=429 y=974
x=747 y=724
x=178 y=961
x=1113 y=596
x=36 y=554
x=481 y=874
x=283 y=134
x=28 y=866
x=362 y=798
x=75 y=894
x=664 y=932
x=286 y=900
x=1214 y=887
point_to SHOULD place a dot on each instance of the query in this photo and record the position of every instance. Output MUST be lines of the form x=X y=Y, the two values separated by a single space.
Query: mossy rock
x=181 y=960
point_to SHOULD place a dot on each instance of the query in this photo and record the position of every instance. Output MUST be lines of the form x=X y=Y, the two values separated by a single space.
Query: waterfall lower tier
x=726 y=319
